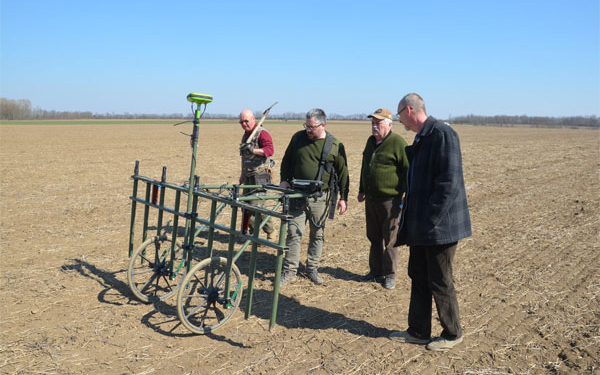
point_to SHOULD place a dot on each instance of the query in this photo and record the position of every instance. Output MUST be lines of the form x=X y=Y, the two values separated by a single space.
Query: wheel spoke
x=143 y=258
x=148 y=282
x=196 y=309
x=202 y=284
x=164 y=277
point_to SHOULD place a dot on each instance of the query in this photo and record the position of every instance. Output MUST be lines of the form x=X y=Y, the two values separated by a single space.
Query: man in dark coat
x=434 y=219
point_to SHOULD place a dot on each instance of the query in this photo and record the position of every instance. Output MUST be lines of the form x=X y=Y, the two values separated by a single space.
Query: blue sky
x=536 y=58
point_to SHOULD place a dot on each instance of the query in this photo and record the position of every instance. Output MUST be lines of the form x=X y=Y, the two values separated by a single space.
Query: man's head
x=411 y=112
x=247 y=120
x=315 y=124
x=381 y=123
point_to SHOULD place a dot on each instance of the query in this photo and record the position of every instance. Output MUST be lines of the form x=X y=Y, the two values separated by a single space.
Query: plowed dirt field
x=528 y=280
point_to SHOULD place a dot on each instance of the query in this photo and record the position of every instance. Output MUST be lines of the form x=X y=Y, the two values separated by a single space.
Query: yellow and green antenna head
x=198 y=98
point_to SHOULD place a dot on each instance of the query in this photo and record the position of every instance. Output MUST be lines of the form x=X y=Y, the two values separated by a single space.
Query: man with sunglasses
x=256 y=162
x=301 y=161
x=435 y=217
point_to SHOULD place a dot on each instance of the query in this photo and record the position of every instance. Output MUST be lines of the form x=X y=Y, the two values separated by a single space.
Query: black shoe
x=367 y=278
x=370 y=277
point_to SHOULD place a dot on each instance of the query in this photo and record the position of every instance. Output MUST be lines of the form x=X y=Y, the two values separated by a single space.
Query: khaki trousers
x=312 y=212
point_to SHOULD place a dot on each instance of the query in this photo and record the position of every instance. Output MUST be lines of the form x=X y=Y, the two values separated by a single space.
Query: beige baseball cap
x=381 y=113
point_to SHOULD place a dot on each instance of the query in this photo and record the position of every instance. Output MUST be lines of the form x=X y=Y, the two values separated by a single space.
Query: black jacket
x=435 y=211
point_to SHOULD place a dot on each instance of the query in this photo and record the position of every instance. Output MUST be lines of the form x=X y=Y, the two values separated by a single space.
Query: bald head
x=247 y=120
x=411 y=112
x=414 y=101
x=246 y=113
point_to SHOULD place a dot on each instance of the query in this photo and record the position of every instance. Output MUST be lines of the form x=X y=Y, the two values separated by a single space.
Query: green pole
x=211 y=230
x=279 y=263
x=192 y=221
x=194 y=141
x=252 y=270
x=232 y=226
x=175 y=229
x=189 y=234
x=136 y=170
x=161 y=200
x=146 y=212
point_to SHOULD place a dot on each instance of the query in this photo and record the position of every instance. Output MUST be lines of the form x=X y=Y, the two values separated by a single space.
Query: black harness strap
x=324 y=156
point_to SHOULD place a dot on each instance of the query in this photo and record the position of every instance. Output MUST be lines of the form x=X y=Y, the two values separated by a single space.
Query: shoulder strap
x=254 y=141
x=324 y=155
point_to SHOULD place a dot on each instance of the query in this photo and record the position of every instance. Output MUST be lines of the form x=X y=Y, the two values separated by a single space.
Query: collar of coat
x=428 y=127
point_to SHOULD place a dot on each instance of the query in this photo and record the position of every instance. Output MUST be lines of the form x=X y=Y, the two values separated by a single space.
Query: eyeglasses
x=308 y=127
x=402 y=110
x=244 y=121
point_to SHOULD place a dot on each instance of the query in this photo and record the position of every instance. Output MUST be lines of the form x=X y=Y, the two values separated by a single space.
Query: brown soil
x=528 y=279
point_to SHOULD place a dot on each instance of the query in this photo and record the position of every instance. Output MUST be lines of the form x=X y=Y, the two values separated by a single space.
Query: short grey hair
x=318 y=114
x=386 y=120
x=414 y=101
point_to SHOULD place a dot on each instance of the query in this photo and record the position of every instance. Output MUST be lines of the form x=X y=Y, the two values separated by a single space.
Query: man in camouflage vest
x=256 y=160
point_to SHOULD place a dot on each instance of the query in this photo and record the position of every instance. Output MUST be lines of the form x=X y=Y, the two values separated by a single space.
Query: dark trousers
x=382 y=217
x=430 y=269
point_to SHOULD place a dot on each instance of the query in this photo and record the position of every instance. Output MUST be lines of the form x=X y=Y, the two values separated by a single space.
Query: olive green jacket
x=384 y=168
x=301 y=161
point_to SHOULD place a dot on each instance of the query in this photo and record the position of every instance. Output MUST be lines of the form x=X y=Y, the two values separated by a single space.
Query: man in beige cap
x=382 y=186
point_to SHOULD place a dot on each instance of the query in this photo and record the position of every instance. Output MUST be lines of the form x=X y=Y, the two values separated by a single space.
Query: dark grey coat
x=435 y=211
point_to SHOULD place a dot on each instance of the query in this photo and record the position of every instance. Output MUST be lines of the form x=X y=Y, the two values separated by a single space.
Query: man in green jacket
x=382 y=186
x=301 y=161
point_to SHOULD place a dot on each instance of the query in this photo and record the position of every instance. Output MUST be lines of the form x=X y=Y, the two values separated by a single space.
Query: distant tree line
x=22 y=110
x=289 y=116
x=503 y=120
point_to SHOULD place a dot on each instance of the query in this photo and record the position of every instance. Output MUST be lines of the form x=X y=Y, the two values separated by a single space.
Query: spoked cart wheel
x=202 y=305
x=154 y=274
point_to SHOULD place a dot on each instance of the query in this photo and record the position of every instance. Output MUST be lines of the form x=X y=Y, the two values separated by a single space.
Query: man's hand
x=247 y=148
x=360 y=198
x=285 y=185
x=342 y=206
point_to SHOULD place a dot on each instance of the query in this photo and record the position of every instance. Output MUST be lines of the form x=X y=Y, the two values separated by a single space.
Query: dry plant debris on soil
x=528 y=279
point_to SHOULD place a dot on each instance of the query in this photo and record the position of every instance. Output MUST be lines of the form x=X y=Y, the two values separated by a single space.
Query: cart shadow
x=111 y=283
x=106 y=279
x=292 y=314
x=163 y=318
x=168 y=324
